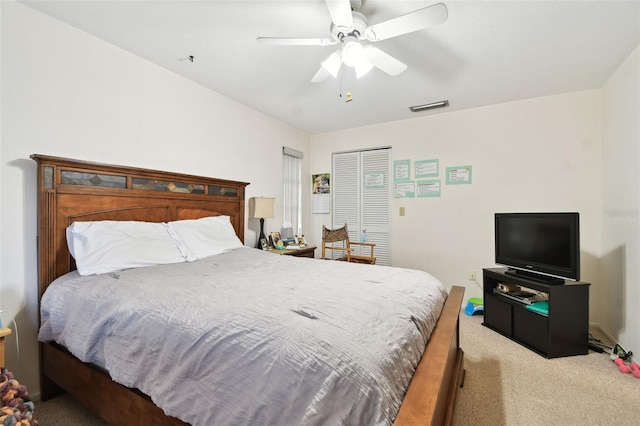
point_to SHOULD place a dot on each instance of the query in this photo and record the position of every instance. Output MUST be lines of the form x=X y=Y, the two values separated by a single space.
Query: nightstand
x=301 y=252
x=5 y=331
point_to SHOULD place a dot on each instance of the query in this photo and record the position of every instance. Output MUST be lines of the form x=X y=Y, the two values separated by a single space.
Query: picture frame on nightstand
x=275 y=237
x=264 y=243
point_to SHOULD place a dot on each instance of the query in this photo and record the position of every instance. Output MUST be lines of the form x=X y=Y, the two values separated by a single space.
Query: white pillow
x=204 y=237
x=106 y=246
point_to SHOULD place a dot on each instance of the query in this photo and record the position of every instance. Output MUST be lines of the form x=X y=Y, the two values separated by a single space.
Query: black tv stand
x=534 y=277
x=562 y=331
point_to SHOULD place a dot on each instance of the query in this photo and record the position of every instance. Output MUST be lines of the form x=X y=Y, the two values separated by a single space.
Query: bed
x=71 y=191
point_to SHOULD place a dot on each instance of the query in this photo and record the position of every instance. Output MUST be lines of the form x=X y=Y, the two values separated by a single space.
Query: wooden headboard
x=71 y=190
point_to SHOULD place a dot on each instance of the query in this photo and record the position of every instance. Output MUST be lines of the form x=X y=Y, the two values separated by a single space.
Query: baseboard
x=603 y=331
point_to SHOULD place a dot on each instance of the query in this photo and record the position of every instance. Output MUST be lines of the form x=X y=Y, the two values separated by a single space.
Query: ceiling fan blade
x=340 y=11
x=283 y=41
x=363 y=68
x=330 y=66
x=405 y=24
x=333 y=63
x=321 y=75
x=384 y=61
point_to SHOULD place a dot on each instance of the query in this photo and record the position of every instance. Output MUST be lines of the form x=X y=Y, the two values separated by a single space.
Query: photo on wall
x=321 y=184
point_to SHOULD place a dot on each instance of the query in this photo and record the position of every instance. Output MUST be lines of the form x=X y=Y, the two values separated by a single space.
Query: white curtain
x=292 y=191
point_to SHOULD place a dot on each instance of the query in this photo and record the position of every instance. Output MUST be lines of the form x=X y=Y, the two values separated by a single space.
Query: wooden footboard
x=432 y=393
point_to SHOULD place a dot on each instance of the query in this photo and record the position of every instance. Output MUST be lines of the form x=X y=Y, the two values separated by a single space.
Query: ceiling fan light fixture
x=332 y=64
x=362 y=68
x=432 y=105
x=353 y=53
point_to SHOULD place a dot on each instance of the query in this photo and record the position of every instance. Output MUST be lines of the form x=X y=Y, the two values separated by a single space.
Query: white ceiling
x=487 y=52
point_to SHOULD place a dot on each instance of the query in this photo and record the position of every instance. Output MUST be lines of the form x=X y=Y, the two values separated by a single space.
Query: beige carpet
x=64 y=411
x=505 y=384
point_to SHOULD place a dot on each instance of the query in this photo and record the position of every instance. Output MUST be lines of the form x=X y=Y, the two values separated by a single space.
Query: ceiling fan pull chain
x=340 y=72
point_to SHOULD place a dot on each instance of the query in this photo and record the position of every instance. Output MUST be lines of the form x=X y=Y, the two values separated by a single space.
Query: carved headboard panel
x=73 y=190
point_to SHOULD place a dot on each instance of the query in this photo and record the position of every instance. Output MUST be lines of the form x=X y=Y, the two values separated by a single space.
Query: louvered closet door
x=361 y=203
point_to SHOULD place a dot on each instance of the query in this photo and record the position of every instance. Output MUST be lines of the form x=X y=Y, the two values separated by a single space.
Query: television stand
x=544 y=279
x=563 y=330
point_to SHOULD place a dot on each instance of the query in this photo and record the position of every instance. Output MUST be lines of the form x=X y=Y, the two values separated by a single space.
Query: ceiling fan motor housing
x=339 y=33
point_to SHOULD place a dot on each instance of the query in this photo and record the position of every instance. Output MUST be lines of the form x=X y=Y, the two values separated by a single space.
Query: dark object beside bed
x=70 y=190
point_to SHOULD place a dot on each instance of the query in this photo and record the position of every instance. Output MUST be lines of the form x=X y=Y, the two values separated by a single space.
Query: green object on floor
x=475 y=305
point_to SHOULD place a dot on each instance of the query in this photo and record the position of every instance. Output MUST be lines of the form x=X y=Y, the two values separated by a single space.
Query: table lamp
x=260 y=208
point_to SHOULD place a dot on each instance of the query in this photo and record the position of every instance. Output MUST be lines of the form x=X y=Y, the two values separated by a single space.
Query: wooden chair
x=338 y=239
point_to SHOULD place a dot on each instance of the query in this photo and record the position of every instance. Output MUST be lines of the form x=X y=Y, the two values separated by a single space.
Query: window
x=292 y=190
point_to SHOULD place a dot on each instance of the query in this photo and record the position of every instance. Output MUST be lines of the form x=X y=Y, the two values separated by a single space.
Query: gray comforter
x=251 y=338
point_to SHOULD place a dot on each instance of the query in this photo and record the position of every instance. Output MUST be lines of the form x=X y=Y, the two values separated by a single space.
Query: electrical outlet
x=472 y=275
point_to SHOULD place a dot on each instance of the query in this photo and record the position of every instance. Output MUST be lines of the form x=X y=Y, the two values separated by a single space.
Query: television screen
x=546 y=244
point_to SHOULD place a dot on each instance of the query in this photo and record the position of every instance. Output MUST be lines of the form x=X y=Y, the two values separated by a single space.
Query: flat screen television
x=539 y=246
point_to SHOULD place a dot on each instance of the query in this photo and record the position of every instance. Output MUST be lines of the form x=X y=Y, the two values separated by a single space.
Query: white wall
x=539 y=154
x=617 y=299
x=68 y=94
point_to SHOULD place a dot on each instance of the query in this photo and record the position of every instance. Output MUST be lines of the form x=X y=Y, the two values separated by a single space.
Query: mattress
x=248 y=338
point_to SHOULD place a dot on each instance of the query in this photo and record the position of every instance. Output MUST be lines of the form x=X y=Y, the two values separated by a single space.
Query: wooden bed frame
x=70 y=190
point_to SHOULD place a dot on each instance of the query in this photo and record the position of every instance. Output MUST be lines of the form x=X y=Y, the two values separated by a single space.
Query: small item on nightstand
x=288 y=241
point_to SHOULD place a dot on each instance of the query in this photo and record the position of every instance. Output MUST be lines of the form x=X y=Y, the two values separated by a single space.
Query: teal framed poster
x=459 y=175
x=374 y=180
x=428 y=188
x=404 y=189
x=426 y=168
x=401 y=170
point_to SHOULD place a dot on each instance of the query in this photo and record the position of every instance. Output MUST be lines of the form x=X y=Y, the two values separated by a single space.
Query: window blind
x=292 y=189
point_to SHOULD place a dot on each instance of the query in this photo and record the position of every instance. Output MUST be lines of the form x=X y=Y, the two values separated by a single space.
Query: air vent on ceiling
x=432 y=105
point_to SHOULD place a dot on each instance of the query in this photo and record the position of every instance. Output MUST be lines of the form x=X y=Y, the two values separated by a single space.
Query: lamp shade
x=261 y=207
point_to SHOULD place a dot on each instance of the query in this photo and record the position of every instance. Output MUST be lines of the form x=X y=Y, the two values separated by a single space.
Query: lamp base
x=261 y=236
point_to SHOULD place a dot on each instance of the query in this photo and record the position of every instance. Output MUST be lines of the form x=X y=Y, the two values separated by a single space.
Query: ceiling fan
x=350 y=31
